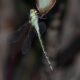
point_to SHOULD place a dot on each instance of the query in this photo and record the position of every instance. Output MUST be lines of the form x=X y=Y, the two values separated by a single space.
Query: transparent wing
x=16 y=36
x=31 y=34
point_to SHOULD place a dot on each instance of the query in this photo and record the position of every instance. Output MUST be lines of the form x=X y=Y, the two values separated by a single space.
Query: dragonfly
x=43 y=7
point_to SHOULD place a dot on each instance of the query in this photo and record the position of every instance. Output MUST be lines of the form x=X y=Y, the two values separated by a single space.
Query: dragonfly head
x=33 y=11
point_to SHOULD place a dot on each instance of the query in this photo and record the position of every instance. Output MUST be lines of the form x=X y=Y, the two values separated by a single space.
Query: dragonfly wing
x=28 y=41
x=16 y=36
